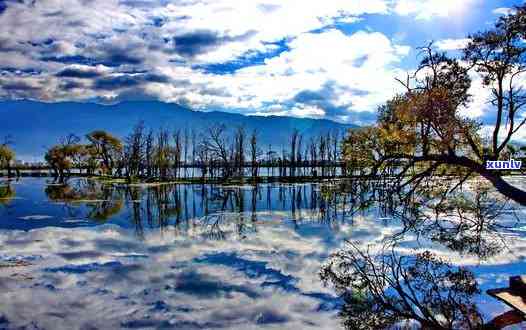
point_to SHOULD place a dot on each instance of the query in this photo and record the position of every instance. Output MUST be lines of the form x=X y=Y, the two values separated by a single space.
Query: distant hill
x=37 y=125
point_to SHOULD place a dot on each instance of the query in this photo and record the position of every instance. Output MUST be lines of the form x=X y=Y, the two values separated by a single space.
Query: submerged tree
x=255 y=152
x=217 y=147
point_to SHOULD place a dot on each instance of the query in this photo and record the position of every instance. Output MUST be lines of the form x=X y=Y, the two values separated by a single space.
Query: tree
x=163 y=154
x=361 y=149
x=177 y=152
x=423 y=131
x=295 y=138
x=148 y=154
x=7 y=193
x=186 y=144
x=7 y=155
x=61 y=157
x=239 y=149
x=322 y=146
x=217 y=147
x=255 y=152
x=498 y=55
x=107 y=148
x=134 y=151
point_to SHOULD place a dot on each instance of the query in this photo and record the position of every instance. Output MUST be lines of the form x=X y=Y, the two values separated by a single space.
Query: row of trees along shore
x=216 y=152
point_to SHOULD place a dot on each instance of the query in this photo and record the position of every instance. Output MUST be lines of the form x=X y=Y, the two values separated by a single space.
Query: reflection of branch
x=461 y=182
x=215 y=232
x=386 y=290
x=464 y=221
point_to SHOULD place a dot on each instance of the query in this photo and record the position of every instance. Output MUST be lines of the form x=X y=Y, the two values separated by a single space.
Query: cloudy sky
x=333 y=59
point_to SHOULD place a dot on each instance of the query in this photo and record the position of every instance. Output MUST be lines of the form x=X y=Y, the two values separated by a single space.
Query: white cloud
x=36 y=217
x=503 y=11
x=113 y=38
x=307 y=111
x=427 y=9
x=363 y=76
x=262 y=21
x=452 y=44
x=486 y=131
x=480 y=96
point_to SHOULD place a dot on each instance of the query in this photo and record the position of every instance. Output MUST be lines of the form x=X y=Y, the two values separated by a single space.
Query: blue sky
x=334 y=59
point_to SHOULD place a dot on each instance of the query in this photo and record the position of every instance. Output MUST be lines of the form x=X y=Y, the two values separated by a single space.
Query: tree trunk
x=506 y=189
x=505 y=320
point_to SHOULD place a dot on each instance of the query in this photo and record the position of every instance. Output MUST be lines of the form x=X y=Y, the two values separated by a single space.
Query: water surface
x=92 y=256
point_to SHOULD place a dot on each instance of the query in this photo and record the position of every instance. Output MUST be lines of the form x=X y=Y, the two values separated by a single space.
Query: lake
x=92 y=256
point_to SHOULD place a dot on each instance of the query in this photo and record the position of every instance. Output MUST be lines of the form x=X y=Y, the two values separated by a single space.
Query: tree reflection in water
x=7 y=194
x=210 y=211
x=216 y=212
x=102 y=201
x=387 y=288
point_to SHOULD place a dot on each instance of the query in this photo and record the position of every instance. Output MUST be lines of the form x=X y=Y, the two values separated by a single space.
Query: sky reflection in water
x=191 y=257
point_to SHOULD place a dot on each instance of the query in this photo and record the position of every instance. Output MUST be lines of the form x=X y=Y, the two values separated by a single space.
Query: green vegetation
x=7 y=156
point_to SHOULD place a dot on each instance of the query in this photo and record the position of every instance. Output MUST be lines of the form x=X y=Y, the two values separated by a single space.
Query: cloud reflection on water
x=261 y=273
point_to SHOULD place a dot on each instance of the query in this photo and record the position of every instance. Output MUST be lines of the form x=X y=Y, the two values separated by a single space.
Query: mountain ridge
x=35 y=125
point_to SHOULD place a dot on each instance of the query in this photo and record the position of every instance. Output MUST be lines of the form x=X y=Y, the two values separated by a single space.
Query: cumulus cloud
x=427 y=9
x=109 y=50
x=261 y=57
x=452 y=44
x=503 y=11
x=335 y=70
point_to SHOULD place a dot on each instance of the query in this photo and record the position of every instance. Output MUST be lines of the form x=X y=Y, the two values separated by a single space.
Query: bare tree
x=134 y=151
x=149 y=150
x=162 y=153
x=254 y=152
x=239 y=149
x=216 y=144
x=177 y=152
x=186 y=143
x=293 y=150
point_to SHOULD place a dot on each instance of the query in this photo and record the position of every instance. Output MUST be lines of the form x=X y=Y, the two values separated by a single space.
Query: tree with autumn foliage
x=63 y=156
x=423 y=132
x=107 y=149
x=7 y=155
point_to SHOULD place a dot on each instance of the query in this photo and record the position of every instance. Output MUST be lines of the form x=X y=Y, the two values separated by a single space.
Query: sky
x=334 y=59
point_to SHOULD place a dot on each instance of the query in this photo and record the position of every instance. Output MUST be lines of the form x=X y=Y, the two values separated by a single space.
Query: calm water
x=193 y=256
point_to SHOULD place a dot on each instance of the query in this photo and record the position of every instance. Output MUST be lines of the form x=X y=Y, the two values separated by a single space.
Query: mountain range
x=34 y=126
